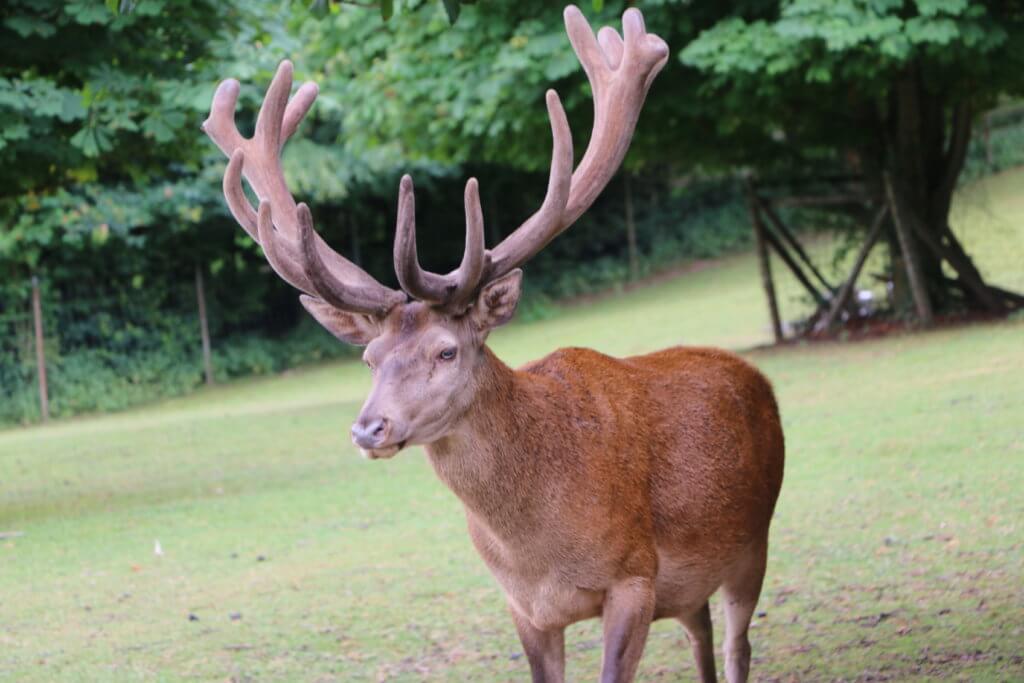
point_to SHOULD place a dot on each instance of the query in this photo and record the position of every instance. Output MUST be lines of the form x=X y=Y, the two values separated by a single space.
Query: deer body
x=581 y=470
x=630 y=489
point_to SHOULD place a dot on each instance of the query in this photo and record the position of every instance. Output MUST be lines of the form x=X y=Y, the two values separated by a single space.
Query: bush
x=1005 y=144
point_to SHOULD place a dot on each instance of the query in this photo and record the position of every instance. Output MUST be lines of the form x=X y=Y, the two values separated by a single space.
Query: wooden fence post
x=37 y=315
x=204 y=328
x=764 y=263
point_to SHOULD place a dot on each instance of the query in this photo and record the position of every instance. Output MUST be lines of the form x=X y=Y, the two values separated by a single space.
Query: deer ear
x=354 y=328
x=497 y=301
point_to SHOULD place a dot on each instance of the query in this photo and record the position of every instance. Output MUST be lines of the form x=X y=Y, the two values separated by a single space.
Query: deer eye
x=447 y=354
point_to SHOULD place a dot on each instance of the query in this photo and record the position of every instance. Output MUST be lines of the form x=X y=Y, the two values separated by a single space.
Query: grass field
x=898 y=547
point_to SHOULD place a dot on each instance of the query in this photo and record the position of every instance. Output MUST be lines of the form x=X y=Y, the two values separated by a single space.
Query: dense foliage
x=111 y=195
x=877 y=88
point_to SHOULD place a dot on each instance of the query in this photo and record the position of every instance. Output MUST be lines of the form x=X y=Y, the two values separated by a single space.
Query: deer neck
x=495 y=458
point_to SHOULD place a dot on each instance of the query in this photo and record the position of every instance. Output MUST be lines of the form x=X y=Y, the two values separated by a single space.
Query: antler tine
x=456 y=288
x=418 y=283
x=620 y=73
x=220 y=124
x=297 y=108
x=345 y=284
x=239 y=206
x=540 y=228
x=474 y=257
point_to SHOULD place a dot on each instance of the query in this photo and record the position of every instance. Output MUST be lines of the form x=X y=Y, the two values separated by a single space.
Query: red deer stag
x=630 y=489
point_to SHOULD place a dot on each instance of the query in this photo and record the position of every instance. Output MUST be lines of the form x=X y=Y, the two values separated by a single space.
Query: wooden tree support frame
x=772 y=234
x=764 y=263
x=843 y=297
x=792 y=241
x=787 y=247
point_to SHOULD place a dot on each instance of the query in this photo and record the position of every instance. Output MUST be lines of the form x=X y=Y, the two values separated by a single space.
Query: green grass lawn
x=898 y=546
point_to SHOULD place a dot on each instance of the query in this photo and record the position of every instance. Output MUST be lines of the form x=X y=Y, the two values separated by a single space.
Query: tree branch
x=953 y=159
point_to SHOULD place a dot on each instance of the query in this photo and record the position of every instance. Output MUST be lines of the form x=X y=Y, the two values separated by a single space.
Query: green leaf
x=387 y=9
x=28 y=26
x=86 y=141
x=156 y=127
x=931 y=8
x=319 y=8
x=598 y=5
x=86 y=12
x=452 y=7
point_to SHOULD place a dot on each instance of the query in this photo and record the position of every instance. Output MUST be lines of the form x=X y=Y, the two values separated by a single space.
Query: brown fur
x=580 y=470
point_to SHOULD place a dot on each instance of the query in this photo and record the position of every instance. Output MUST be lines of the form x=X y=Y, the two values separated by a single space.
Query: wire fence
x=88 y=352
x=65 y=352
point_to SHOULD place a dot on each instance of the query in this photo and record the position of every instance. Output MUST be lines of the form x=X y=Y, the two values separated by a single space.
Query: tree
x=94 y=111
x=887 y=88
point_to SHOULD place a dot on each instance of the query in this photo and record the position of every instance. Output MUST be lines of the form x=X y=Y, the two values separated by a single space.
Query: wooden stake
x=908 y=246
x=634 y=259
x=764 y=263
x=204 y=328
x=789 y=237
x=839 y=303
x=37 y=315
x=794 y=267
x=987 y=132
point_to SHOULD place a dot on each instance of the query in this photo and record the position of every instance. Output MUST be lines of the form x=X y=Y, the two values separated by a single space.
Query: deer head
x=425 y=344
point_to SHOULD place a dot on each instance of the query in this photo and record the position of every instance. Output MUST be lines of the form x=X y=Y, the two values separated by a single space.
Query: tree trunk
x=911 y=258
x=924 y=151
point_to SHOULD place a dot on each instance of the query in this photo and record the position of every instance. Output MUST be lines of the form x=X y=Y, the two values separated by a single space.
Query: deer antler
x=283 y=228
x=455 y=290
x=620 y=71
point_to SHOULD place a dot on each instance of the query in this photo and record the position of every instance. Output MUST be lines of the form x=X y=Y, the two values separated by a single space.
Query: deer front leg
x=545 y=650
x=627 y=614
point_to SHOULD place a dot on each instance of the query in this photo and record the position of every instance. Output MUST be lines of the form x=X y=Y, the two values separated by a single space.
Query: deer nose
x=370 y=433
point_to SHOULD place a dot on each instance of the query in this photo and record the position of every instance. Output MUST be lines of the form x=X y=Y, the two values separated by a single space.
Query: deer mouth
x=382 y=452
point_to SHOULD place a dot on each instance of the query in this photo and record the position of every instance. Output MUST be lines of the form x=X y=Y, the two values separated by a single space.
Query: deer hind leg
x=698 y=628
x=545 y=650
x=740 y=592
x=626 y=615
